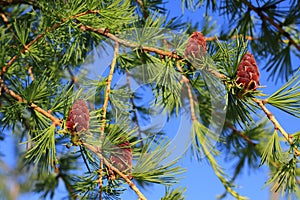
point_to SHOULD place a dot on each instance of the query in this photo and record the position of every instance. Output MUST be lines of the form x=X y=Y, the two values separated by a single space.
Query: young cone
x=196 y=46
x=121 y=158
x=78 y=118
x=247 y=73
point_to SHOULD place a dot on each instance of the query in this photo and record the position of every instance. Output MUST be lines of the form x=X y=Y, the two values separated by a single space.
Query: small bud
x=78 y=118
x=247 y=73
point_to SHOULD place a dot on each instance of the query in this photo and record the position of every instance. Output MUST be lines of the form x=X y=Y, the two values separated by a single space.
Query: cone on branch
x=247 y=74
x=79 y=117
x=196 y=47
x=121 y=158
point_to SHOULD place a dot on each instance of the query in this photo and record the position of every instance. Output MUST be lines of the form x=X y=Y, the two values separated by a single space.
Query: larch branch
x=95 y=150
x=186 y=81
x=278 y=26
x=104 y=108
x=103 y=31
x=38 y=37
x=174 y=55
x=55 y=120
x=128 y=181
x=240 y=133
x=276 y=124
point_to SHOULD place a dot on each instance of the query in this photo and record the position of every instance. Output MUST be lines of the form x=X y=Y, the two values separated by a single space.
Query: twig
x=105 y=104
x=29 y=69
x=55 y=120
x=186 y=81
x=276 y=124
x=73 y=78
x=145 y=12
x=226 y=38
x=108 y=86
x=102 y=31
x=38 y=37
x=128 y=181
x=4 y=18
x=240 y=133
x=134 y=108
x=174 y=55
x=278 y=26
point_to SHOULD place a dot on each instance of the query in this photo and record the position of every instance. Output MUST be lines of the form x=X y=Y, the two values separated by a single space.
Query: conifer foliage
x=87 y=128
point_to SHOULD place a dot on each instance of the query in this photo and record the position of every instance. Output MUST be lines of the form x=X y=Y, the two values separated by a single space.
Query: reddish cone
x=78 y=119
x=196 y=46
x=121 y=157
x=247 y=73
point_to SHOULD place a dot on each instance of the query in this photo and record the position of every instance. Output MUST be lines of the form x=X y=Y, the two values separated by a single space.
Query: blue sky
x=200 y=180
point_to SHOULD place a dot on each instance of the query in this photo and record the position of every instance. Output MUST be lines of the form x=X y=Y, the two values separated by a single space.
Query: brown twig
x=73 y=78
x=108 y=86
x=4 y=18
x=276 y=124
x=278 y=26
x=104 y=108
x=226 y=38
x=128 y=181
x=55 y=120
x=94 y=149
x=240 y=133
x=145 y=12
x=29 y=69
x=102 y=31
x=186 y=81
x=38 y=37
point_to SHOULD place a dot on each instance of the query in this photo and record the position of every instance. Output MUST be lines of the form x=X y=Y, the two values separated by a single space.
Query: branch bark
x=276 y=124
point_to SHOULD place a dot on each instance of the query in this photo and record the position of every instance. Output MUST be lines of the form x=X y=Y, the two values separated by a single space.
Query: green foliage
x=152 y=166
x=44 y=46
x=287 y=97
x=272 y=152
x=43 y=147
x=176 y=194
x=285 y=177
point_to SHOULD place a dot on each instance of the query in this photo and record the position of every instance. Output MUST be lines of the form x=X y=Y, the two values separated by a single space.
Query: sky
x=200 y=180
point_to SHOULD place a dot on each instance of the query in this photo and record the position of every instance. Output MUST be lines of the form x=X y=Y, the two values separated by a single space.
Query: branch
x=145 y=12
x=108 y=86
x=128 y=181
x=277 y=126
x=38 y=37
x=55 y=120
x=240 y=133
x=186 y=81
x=105 y=104
x=73 y=78
x=226 y=38
x=173 y=55
x=278 y=26
x=103 y=31
x=14 y=2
